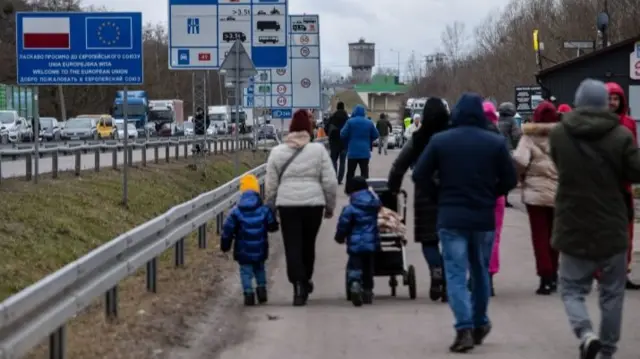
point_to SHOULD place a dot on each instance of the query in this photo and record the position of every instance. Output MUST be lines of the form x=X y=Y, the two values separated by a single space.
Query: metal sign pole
x=236 y=164
x=205 y=108
x=125 y=169
x=36 y=131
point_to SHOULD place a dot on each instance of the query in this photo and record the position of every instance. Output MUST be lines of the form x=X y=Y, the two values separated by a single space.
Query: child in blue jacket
x=246 y=228
x=358 y=227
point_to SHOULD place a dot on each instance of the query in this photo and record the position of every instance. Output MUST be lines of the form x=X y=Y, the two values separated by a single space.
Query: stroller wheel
x=411 y=282
x=393 y=283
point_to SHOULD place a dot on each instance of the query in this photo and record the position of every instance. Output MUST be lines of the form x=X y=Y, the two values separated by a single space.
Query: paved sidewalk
x=526 y=326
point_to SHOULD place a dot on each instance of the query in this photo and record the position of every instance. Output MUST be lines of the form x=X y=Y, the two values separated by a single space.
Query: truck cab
x=166 y=117
x=137 y=109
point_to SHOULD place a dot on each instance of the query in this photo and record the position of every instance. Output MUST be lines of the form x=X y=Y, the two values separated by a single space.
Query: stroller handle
x=404 y=206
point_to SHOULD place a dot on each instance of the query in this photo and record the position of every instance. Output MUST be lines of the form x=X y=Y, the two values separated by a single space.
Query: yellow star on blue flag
x=109 y=33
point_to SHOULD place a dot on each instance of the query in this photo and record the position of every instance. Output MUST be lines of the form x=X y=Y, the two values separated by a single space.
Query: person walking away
x=466 y=210
x=618 y=104
x=509 y=128
x=415 y=124
x=539 y=184
x=245 y=228
x=384 y=130
x=358 y=227
x=337 y=148
x=436 y=119
x=494 y=264
x=595 y=156
x=358 y=134
x=301 y=183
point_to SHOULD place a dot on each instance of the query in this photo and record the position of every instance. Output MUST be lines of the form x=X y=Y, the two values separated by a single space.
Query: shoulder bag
x=272 y=203
x=584 y=149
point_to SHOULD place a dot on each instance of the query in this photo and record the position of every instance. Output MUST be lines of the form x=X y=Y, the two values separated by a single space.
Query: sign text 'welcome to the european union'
x=79 y=48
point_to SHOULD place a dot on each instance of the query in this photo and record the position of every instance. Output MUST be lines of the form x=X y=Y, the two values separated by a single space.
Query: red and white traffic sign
x=282 y=101
x=281 y=89
x=281 y=72
x=306 y=83
x=304 y=39
x=304 y=51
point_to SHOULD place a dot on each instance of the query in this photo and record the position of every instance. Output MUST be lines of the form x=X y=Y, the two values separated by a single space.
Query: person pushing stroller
x=358 y=227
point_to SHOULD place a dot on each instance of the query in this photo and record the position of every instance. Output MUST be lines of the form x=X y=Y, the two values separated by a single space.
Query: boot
x=545 y=286
x=480 y=333
x=367 y=297
x=437 y=281
x=261 y=292
x=554 y=283
x=463 y=342
x=493 y=291
x=249 y=299
x=309 y=287
x=631 y=285
x=356 y=293
x=299 y=295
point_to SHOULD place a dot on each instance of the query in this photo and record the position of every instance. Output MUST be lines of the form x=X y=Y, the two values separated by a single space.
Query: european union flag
x=109 y=33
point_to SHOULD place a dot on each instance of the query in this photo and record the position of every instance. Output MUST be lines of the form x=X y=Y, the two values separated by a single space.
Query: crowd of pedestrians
x=575 y=167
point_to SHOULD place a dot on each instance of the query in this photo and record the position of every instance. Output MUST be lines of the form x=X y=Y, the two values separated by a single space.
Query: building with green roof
x=384 y=93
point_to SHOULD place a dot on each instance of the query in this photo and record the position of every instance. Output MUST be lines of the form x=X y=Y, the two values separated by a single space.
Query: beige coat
x=535 y=166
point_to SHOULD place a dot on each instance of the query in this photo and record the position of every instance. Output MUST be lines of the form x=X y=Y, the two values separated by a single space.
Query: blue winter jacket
x=246 y=228
x=473 y=166
x=358 y=134
x=358 y=223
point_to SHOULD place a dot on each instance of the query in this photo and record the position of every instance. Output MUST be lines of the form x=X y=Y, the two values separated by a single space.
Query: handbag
x=272 y=203
x=583 y=149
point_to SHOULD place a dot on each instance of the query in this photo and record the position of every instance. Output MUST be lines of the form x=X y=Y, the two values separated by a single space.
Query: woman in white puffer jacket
x=302 y=183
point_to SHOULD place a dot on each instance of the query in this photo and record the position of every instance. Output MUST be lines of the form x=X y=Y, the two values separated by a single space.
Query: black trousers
x=352 y=164
x=360 y=268
x=299 y=228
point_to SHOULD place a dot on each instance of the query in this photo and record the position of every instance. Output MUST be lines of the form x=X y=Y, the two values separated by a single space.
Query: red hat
x=564 y=108
x=545 y=113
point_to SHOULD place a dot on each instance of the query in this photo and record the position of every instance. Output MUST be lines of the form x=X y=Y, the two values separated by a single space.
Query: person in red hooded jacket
x=618 y=104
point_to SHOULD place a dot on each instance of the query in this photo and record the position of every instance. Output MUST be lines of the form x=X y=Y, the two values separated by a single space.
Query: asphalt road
x=17 y=168
x=526 y=326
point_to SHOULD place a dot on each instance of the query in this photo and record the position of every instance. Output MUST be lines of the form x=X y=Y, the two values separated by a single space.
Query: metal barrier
x=44 y=308
x=215 y=146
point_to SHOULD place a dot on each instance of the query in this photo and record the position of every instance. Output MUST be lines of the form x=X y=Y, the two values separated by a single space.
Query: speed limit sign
x=282 y=101
x=306 y=83
x=304 y=51
x=304 y=39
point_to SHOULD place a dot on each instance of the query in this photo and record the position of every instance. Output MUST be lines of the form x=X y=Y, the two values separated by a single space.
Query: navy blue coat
x=474 y=168
x=358 y=223
x=358 y=134
x=246 y=228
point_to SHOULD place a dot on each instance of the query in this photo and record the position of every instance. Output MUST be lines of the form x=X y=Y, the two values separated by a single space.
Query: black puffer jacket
x=435 y=118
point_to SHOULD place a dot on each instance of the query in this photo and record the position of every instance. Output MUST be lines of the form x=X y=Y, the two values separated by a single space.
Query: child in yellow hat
x=246 y=228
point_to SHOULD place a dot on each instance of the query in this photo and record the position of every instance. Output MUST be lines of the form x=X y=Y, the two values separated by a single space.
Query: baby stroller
x=391 y=259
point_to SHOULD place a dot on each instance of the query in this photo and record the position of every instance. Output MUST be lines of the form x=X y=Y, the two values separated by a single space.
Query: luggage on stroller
x=391 y=259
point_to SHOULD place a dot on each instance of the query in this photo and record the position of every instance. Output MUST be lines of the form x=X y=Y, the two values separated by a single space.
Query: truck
x=219 y=117
x=244 y=118
x=137 y=109
x=165 y=116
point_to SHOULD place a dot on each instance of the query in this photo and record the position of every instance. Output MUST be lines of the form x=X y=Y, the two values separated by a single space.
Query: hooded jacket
x=508 y=125
x=336 y=122
x=623 y=114
x=533 y=158
x=474 y=168
x=246 y=229
x=591 y=215
x=310 y=179
x=358 y=134
x=358 y=223
x=384 y=127
x=425 y=209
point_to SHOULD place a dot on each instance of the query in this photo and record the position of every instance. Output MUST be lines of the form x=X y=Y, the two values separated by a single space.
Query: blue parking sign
x=183 y=57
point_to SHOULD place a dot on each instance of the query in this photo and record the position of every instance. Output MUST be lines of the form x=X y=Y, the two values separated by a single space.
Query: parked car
x=49 y=129
x=132 y=132
x=14 y=128
x=80 y=128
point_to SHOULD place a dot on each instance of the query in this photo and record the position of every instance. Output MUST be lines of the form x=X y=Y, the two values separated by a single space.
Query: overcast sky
x=403 y=26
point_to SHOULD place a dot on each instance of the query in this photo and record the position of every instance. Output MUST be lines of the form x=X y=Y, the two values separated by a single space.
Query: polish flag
x=45 y=33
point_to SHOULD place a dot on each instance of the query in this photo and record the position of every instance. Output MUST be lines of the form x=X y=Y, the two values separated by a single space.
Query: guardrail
x=213 y=145
x=44 y=308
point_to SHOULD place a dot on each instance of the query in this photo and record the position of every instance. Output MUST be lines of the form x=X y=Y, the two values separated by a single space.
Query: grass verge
x=47 y=225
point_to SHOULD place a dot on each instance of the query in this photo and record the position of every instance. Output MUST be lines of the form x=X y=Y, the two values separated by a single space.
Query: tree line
x=500 y=53
x=159 y=81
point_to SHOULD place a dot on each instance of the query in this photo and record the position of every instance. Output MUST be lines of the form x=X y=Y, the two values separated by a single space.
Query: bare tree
x=454 y=40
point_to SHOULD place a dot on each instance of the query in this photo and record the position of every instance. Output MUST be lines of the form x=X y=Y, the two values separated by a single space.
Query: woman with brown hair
x=302 y=184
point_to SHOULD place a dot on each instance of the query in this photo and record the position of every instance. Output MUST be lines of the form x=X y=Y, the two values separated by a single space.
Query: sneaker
x=367 y=297
x=545 y=287
x=480 y=333
x=261 y=293
x=463 y=341
x=437 y=281
x=249 y=299
x=356 y=294
x=590 y=346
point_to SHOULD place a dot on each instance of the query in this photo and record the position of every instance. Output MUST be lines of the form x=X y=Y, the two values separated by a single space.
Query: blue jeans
x=250 y=271
x=431 y=253
x=467 y=251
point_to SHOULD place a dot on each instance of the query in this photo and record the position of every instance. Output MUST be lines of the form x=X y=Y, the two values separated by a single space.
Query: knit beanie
x=564 y=108
x=592 y=93
x=357 y=183
x=490 y=111
x=249 y=183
